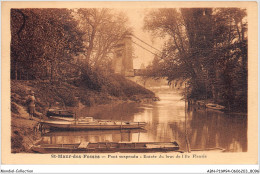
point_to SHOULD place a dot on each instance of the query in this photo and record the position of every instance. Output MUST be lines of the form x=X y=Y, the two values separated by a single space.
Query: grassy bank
x=111 y=89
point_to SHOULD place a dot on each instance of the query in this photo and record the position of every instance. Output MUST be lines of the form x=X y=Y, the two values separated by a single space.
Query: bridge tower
x=123 y=57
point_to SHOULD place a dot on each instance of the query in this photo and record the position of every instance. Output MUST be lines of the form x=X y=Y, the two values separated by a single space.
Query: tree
x=43 y=38
x=232 y=57
x=104 y=28
x=205 y=47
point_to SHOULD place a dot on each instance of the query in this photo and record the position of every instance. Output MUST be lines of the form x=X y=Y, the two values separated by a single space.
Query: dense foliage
x=42 y=41
x=67 y=56
x=205 y=48
x=60 y=44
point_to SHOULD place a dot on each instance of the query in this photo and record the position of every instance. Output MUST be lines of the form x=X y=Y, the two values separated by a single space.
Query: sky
x=141 y=56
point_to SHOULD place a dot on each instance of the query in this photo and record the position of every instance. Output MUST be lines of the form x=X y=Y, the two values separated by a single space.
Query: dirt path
x=23 y=133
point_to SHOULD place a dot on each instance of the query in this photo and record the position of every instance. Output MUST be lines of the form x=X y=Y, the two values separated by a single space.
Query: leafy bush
x=91 y=89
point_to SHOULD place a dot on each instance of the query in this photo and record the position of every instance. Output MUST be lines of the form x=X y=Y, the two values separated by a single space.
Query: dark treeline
x=67 y=56
x=205 y=48
x=57 y=44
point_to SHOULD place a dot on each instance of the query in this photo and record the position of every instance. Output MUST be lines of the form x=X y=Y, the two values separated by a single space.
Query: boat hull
x=90 y=126
x=59 y=113
x=91 y=132
x=107 y=147
x=215 y=107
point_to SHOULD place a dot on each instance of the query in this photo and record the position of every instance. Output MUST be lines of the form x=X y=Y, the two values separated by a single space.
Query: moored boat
x=215 y=106
x=90 y=123
x=65 y=133
x=88 y=147
x=58 y=118
x=59 y=113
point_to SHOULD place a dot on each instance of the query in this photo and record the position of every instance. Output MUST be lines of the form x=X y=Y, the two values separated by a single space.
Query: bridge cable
x=145 y=48
x=145 y=43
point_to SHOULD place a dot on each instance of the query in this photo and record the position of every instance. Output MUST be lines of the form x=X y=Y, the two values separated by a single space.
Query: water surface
x=166 y=122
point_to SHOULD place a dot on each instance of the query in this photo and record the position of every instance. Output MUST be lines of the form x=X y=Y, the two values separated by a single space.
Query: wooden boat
x=59 y=113
x=90 y=123
x=61 y=118
x=65 y=133
x=215 y=106
x=106 y=147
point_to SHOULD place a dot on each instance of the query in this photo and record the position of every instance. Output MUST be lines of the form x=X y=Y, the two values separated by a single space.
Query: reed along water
x=200 y=129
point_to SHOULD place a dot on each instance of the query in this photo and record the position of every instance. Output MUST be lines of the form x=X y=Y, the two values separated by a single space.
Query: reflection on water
x=165 y=122
x=73 y=137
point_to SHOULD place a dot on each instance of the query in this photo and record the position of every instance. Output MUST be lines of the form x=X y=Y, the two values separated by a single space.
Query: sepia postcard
x=129 y=83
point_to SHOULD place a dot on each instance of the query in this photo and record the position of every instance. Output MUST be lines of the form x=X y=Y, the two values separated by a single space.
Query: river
x=166 y=122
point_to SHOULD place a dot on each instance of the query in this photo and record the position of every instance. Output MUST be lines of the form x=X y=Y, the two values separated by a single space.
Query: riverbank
x=210 y=105
x=64 y=94
x=23 y=133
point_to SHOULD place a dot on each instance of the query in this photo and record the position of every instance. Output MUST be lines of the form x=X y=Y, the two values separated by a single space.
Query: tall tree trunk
x=52 y=71
x=91 y=45
x=15 y=71
x=242 y=30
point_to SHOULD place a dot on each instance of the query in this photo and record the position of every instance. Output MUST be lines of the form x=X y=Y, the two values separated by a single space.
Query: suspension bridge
x=123 y=55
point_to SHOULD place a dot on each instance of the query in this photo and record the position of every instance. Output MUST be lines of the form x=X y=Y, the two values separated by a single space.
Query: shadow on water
x=126 y=111
x=74 y=137
x=210 y=129
x=165 y=122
